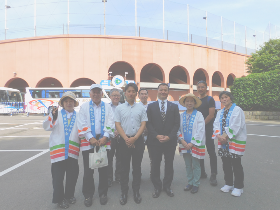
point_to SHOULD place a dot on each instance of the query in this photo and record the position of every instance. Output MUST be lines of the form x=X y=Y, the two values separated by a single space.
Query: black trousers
x=233 y=166
x=156 y=153
x=114 y=152
x=88 y=181
x=210 y=145
x=71 y=168
x=126 y=154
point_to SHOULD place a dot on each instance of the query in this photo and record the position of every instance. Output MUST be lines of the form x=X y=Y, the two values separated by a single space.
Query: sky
x=87 y=17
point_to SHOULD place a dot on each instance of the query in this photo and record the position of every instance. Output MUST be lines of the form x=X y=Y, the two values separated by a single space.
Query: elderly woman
x=64 y=149
x=230 y=130
x=191 y=137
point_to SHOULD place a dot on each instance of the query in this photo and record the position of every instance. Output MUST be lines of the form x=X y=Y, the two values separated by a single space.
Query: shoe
x=188 y=187
x=237 y=192
x=123 y=199
x=137 y=197
x=71 y=200
x=88 y=202
x=103 y=199
x=156 y=193
x=63 y=204
x=226 y=188
x=213 y=180
x=194 y=190
x=203 y=176
x=169 y=192
x=110 y=183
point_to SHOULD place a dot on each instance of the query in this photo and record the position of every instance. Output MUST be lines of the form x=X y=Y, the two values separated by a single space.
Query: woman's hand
x=55 y=113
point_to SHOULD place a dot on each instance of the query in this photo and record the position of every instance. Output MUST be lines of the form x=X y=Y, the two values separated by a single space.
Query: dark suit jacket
x=156 y=126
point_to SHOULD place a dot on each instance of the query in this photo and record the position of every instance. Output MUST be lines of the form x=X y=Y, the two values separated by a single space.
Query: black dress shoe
x=213 y=180
x=156 y=193
x=137 y=197
x=188 y=187
x=110 y=183
x=169 y=192
x=63 y=204
x=103 y=199
x=194 y=190
x=71 y=200
x=88 y=202
x=123 y=199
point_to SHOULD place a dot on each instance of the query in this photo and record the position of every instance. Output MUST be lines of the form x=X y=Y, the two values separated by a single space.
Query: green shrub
x=258 y=91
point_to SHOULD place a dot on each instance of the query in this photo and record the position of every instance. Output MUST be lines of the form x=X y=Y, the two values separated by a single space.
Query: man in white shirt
x=95 y=126
x=115 y=97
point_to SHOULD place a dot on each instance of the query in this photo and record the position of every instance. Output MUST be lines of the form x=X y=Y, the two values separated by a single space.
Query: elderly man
x=95 y=126
x=130 y=120
x=115 y=97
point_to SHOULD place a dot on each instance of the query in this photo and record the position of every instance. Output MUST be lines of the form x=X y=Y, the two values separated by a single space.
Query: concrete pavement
x=29 y=186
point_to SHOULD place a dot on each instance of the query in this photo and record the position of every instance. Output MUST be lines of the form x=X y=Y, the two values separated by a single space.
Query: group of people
x=125 y=129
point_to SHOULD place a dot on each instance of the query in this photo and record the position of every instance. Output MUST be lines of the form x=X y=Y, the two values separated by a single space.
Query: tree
x=267 y=58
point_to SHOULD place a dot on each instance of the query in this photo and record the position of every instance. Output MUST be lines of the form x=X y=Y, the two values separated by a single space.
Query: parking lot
x=25 y=176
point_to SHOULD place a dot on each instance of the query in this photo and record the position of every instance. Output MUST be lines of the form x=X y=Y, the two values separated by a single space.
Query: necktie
x=162 y=111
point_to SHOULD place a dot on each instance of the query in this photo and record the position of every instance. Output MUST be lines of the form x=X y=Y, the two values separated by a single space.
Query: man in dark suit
x=163 y=124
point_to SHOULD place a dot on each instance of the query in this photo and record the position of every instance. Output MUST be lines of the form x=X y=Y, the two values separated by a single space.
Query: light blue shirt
x=165 y=105
x=130 y=117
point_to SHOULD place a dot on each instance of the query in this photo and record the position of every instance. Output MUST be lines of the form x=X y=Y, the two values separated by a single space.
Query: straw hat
x=71 y=95
x=182 y=99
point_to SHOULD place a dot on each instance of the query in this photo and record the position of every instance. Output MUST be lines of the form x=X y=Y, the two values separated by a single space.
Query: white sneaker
x=237 y=192
x=226 y=188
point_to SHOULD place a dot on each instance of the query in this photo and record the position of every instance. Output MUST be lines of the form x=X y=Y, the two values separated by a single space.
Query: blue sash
x=92 y=119
x=67 y=129
x=188 y=129
x=227 y=121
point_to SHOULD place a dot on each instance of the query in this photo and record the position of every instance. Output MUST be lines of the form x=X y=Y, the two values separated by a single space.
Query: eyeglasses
x=116 y=96
x=201 y=87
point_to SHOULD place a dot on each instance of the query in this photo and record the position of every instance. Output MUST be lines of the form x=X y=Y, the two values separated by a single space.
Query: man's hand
x=222 y=139
x=160 y=137
x=93 y=141
x=130 y=142
x=102 y=141
x=184 y=143
x=164 y=139
x=116 y=133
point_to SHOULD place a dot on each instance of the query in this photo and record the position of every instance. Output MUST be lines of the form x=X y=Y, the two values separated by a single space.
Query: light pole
x=104 y=16
x=68 y=18
x=34 y=17
x=205 y=18
x=163 y=18
x=135 y=17
x=6 y=7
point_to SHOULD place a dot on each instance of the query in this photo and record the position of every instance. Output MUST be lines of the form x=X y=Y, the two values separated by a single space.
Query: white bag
x=98 y=159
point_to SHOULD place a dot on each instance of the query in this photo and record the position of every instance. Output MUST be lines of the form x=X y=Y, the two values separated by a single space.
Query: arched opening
x=17 y=83
x=49 y=82
x=120 y=68
x=200 y=74
x=217 y=79
x=230 y=80
x=179 y=75
x=152 y=73
x=82 y=82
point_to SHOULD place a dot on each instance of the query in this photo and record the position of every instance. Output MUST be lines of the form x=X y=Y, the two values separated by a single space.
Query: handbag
x=98 y=159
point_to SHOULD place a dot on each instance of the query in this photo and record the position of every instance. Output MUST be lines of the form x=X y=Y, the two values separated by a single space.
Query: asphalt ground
x=26 y=183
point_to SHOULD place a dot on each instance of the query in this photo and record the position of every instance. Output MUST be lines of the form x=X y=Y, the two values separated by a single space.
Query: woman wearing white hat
x=191 y=137
x=64 y=149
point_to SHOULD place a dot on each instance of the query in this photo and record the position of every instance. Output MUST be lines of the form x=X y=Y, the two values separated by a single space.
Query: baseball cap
x=95 y=86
